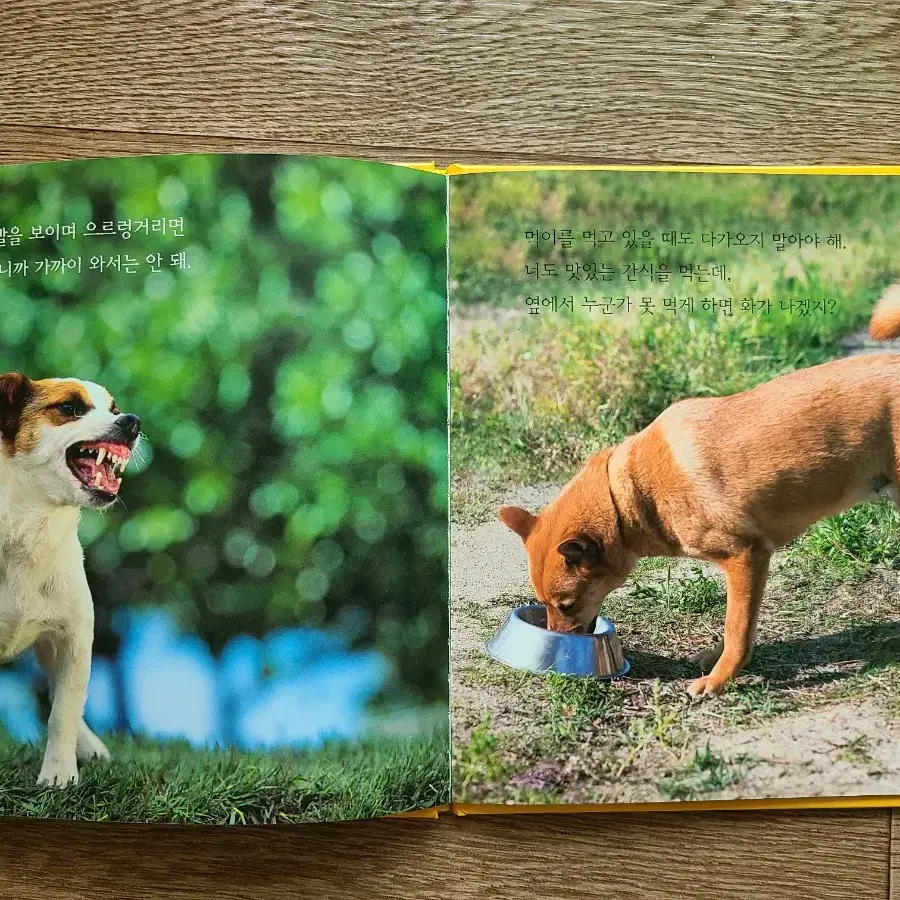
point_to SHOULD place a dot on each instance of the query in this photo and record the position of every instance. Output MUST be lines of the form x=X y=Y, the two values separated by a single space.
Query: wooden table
x=769 y=81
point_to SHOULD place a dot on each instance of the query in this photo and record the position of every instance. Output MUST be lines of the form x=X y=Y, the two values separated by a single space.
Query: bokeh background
x=276 y=572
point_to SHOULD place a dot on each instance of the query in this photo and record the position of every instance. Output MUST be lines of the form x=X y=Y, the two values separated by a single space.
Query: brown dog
x=727 y=480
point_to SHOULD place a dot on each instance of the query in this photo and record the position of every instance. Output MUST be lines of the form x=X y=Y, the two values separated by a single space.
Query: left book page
x=223 y=483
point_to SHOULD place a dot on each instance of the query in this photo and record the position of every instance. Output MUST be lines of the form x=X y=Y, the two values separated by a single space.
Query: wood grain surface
x=769 y=81
x=671 y=855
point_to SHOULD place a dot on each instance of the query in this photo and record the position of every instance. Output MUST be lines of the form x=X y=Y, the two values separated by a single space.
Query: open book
x=274 y=549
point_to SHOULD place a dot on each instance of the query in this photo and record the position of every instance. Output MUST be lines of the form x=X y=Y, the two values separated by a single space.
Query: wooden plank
x=690 y=855
x=611 y=80
x=26 y=143
x=815 y=855
x=894 y=863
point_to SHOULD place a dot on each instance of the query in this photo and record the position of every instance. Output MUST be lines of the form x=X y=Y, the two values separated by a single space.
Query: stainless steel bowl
x=525 y=643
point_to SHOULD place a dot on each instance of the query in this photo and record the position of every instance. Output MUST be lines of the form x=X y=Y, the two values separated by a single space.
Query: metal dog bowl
x=525 y=643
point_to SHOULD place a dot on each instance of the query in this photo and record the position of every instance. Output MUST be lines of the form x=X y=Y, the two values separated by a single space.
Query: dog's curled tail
x=885 y=322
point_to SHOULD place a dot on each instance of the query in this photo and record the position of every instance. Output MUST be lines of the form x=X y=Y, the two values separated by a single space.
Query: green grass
x=696 y=593
x=571 y=705
x=531 y=400
x=148 y=781
x=533 y=395
x=479 y=759
x=751 y=704
x=706 y=773
x=856 y=750
x=848 y=545
x=490 y=213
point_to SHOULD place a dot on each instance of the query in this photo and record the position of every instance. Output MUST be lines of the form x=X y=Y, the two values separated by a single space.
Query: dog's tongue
x=98 y=475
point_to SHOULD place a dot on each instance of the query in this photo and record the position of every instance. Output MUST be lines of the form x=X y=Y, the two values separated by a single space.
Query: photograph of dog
x=223 y=490
x=693 y=483
x=65 y=445
x=675 y=405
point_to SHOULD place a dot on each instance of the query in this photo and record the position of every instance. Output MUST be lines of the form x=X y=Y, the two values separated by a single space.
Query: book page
x=659 y=595
x=225 y=389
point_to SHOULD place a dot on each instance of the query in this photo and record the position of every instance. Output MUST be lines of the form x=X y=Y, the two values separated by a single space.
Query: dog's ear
x=581 y=551
x=519 y=520
x=15 y=390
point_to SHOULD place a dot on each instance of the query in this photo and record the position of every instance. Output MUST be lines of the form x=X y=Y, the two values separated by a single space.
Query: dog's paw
x=58 y=773
x=706 y=687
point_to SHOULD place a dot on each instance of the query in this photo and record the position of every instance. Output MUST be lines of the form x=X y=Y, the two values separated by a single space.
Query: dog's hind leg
x=705 y=660
x=88 y=745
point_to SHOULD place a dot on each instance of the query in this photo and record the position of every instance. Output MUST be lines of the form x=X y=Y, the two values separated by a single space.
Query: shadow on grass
x=653 y=665
x=801 y=662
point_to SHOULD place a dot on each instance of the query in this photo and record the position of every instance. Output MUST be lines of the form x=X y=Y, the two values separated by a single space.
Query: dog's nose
x=130 y=425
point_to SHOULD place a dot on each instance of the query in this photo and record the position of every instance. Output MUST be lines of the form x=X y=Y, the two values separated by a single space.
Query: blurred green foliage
x=291 y=384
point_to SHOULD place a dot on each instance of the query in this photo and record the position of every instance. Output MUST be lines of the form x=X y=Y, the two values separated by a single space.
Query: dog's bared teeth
x=97 y=479
x=101 y=455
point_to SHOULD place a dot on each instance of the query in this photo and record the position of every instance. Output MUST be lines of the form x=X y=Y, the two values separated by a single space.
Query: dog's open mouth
x=98 y=464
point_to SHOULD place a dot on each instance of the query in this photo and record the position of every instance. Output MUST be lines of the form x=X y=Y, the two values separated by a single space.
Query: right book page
x=674 y=455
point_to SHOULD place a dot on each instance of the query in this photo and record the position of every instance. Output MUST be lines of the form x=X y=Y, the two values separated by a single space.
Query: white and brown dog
x=63 y=443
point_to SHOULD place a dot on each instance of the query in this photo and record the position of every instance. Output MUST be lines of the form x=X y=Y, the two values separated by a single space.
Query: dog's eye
x=74 y=409
x=114 y=409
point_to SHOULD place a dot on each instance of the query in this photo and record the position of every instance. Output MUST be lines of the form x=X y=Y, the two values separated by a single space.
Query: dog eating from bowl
x=63 y=446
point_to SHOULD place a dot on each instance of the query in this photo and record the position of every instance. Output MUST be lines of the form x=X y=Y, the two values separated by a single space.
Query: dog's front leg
x=745 y=576
x=71 y=671
x=88 y=746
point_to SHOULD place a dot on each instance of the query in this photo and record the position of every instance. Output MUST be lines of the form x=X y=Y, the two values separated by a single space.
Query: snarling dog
x=727 y=480
x=63 y=446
